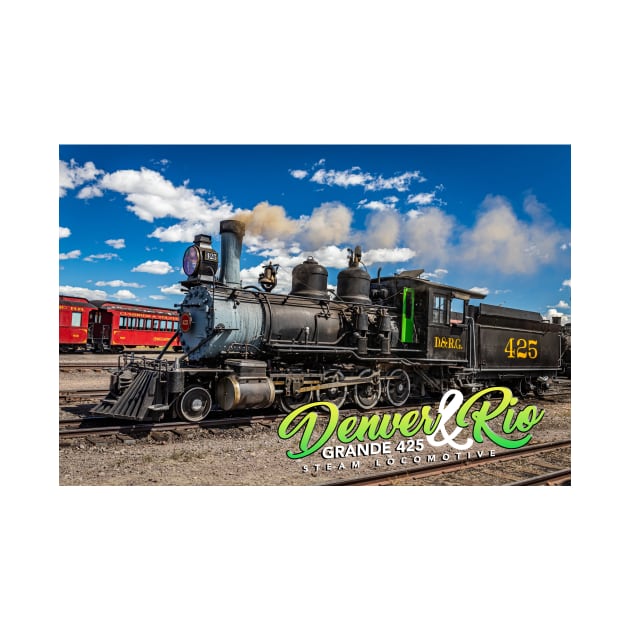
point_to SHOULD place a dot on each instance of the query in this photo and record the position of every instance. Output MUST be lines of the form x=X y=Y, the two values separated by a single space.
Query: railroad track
x=560 y=390
x=97 y=426
x=543 y=464
x=115 y=353
x=216 y=420
x=110 y=361
x=74 y=395
x=66 y=367
x=93 y=426
x=100 y=425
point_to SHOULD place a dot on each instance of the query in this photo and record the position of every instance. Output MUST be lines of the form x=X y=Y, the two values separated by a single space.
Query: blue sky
x=495 y=218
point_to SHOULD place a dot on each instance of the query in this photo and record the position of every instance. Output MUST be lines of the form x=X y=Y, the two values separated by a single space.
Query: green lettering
x=308 y=423
x=482 y=416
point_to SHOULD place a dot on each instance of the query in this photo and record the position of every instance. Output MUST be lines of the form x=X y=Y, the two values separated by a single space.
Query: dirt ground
x=257 y=456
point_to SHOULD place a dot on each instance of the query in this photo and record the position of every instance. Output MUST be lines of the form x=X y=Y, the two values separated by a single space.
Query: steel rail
x=449 y=467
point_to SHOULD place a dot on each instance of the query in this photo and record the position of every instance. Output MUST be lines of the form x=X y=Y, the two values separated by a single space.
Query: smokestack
x=231 y=243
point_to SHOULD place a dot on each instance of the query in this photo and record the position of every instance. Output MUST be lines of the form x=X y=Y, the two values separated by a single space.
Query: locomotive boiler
x=371 y=340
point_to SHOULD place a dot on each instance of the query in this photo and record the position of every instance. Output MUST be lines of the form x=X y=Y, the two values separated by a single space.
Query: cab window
x=440 y=310
x=457 y=311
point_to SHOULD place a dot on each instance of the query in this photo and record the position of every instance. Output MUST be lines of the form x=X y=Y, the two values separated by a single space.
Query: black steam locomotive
x=377 y=339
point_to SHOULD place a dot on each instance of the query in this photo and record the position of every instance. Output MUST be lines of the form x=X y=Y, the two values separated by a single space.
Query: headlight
x=191 y=260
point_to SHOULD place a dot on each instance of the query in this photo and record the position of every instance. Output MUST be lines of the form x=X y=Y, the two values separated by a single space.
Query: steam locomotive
x=388 y=339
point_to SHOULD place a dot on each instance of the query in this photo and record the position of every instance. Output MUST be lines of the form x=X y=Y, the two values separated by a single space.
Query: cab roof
x=411 y=278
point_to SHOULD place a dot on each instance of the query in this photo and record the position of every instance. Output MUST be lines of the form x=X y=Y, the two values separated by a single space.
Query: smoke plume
x=268 y=221
x=328 y=224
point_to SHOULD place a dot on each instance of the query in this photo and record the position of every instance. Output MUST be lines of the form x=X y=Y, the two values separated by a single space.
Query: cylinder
x=232 y=233
x=362 y=323
x=176 y=381
x=384 y=322
x=239 y=393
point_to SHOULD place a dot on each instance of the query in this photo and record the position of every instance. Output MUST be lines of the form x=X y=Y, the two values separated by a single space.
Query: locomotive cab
x=447 y=330
x=432 y=316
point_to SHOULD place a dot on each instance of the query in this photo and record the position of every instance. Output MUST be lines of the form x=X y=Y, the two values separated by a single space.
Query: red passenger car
x=73 y=323
x=115 y=326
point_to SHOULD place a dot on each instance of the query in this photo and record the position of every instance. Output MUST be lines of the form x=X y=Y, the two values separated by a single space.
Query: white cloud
x=552 y=312
x=64 y=232
x=298 y=173
x=387 y=255
x=89 y=192
x=150 y=196
x=349 y=177
x=173 y=289
x=562 y=304
x=75 y=253
x=566 y=283
x=330 y=256
x=379 y=206
x=72 y=175
x=249 y=277
x=118 y=283
x=161 y=164
x=422 y=199
x=116 y=243
x=400 y=183
x=157 y=267
x=89 y=294
x=437 y=274
x=355 y=177
x=123 y=294
x=97 y=257
x=207 y=223
x=483 y=290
